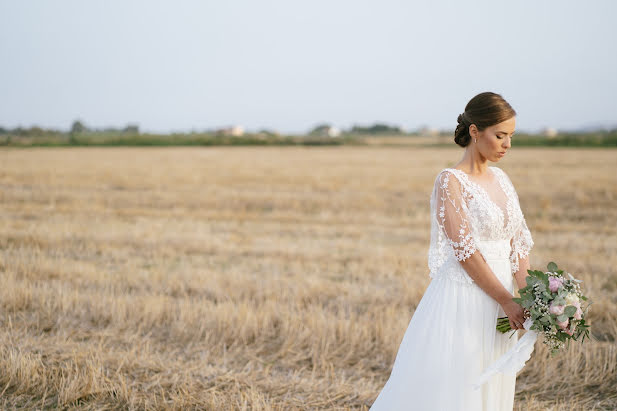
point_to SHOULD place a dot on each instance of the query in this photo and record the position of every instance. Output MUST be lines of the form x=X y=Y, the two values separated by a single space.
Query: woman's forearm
x=479 y=270
x=521 y=274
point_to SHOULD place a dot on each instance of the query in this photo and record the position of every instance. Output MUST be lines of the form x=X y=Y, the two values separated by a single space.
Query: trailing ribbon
x=514 y=359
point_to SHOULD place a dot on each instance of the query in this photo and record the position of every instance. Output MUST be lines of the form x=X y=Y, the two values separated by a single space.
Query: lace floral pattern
x=457 y=226
x=521 y=246
x=464 y=218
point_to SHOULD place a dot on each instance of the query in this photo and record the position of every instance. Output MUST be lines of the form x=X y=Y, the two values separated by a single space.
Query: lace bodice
x=467 y=216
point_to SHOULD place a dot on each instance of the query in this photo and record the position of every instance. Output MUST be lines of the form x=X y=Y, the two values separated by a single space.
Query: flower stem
x=503 y=325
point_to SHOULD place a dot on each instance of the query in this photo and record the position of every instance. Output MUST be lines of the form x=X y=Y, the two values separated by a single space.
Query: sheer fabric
x=455 y=231
x=451 y=337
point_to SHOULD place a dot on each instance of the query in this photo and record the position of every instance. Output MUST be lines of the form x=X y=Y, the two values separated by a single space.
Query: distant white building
x=549 y=132
x=333 y=131
x=428 y=131
x=235 y=131
x=325 y=130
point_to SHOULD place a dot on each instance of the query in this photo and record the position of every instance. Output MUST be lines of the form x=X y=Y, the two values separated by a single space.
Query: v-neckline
x=488 y=196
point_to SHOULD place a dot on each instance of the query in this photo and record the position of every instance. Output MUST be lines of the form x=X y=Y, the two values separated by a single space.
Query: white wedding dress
x=451 y=338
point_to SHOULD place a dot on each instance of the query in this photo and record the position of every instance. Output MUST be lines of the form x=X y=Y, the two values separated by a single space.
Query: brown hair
x=484 y=110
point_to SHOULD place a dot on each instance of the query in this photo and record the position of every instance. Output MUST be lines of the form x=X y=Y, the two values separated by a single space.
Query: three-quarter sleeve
x=521 y=245
x=452 y=218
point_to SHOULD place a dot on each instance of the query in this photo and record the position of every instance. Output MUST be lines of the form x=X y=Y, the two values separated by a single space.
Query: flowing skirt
x=450 y=340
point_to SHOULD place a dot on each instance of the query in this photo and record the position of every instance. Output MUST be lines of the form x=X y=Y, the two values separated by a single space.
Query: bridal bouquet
x=554 y=306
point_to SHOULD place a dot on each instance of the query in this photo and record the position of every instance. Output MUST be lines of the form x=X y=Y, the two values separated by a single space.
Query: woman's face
x=495 y=141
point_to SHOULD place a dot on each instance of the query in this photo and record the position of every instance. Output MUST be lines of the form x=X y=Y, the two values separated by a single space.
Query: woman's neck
x=473 y=163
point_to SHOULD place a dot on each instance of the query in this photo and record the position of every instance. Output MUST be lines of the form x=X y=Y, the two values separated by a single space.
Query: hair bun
x=461 y=118
x=461 y=133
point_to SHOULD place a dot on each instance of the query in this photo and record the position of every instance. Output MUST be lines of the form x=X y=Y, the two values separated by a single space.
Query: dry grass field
x=278 y=278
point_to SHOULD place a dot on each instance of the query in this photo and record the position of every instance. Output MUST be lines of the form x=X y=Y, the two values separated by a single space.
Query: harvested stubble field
x=264 y=278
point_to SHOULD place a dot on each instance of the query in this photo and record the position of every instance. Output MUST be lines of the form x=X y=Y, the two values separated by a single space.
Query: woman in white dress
x=479 y=249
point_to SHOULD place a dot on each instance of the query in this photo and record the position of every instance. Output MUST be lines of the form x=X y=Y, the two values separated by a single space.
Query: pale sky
x=288 y=65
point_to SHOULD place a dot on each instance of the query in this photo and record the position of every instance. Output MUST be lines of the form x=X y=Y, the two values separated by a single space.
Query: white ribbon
x=514 y=360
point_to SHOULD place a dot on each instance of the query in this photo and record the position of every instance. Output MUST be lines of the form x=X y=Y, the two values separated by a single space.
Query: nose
x=507 y=143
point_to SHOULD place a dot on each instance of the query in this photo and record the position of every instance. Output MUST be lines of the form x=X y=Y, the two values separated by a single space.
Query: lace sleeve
x=521 y=245
x=521 y=242
x=451 y=209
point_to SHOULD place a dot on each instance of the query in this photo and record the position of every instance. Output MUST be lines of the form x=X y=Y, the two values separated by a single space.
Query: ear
x=473 y=131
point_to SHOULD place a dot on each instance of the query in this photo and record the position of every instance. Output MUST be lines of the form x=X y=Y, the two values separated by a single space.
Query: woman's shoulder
x=444 y=179
x=444 y=172
x=497 y=169
x=500 y=173
x=506 y=182
x=460 y=173
x=448 y=170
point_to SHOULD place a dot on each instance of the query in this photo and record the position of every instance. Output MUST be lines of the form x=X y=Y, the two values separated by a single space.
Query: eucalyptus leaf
x=552 y=266
x=569 y=310
x=561 y=318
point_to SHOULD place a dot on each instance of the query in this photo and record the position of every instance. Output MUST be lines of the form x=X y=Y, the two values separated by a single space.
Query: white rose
x=572 y=299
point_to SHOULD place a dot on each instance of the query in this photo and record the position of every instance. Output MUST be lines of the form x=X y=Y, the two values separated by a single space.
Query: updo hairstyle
x=484 y=110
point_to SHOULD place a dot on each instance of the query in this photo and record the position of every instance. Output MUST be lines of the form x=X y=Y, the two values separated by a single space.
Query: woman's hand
x=515 y=313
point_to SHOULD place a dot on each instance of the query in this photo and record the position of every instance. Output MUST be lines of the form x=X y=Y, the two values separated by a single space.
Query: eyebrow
x=503 y=132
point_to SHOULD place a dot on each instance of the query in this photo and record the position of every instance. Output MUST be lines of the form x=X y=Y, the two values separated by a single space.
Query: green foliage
x=320 y=130
x=536 y=297
x=600 y=138
x=569 y=311
x=124 y=138
x=378 y=128
x=78 y=127
x=79 y=134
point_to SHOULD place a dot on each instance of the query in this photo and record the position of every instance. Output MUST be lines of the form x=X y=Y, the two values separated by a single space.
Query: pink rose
x=578 y=314
x=563 y=324
x=556 y=309
x=554 y=283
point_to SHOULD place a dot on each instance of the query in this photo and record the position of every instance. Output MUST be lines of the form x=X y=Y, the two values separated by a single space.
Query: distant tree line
x=378 y=128
x=78 y=127
x=322 y=134
x=375 y=129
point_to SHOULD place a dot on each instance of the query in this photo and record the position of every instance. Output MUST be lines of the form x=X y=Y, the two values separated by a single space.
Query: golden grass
x=264 y=278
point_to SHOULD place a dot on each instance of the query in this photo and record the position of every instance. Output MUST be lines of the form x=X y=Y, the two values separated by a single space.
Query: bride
x=479 y=248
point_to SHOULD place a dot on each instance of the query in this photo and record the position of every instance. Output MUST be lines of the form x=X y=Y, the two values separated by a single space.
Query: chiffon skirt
x=450 y=340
